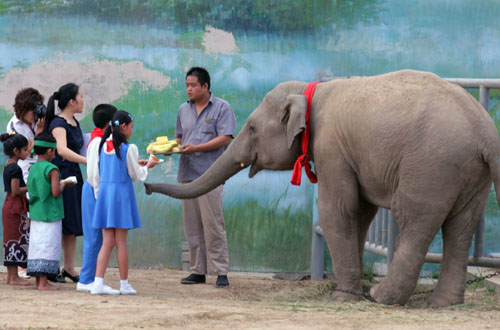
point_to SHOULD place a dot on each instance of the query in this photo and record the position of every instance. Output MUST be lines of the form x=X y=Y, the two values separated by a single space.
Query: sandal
x=75 y=278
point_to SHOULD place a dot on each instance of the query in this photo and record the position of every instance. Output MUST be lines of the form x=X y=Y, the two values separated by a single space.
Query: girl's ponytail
x=120 y=117
x=50 y=114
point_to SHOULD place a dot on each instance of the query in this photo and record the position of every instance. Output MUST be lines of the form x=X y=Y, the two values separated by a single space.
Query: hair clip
x=131 y=116
x=117 y=123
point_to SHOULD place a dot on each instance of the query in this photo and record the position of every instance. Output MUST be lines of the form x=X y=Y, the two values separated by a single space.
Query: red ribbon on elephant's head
x=304 y=159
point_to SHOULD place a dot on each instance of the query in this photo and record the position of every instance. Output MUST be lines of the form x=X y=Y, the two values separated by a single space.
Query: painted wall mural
x=134 y=54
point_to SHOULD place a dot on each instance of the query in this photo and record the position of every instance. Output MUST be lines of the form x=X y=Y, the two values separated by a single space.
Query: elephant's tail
x=493 y=160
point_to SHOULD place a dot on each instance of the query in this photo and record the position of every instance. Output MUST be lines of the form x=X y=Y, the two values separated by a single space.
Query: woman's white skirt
x=44 y=248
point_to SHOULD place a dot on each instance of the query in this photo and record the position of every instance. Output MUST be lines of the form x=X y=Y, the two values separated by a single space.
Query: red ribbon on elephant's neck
x=304 y=159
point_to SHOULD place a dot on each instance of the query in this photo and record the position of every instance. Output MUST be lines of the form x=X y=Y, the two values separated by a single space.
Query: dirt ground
x=253 y=301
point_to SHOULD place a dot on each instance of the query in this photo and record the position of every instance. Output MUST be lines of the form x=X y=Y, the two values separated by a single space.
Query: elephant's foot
x=439 y=299
x=148 y=189
x=340 y=296
x=385 y=294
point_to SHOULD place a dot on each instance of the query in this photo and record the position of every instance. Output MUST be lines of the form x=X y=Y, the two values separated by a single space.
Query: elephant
x=408 y=141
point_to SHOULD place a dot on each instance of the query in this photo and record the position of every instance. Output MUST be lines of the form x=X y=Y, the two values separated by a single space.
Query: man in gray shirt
x=204 y=128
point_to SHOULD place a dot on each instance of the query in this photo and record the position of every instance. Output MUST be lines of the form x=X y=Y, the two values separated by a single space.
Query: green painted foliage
x=274 y=16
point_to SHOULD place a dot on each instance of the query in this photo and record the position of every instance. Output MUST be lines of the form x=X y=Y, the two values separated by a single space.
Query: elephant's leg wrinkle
x=458 y=231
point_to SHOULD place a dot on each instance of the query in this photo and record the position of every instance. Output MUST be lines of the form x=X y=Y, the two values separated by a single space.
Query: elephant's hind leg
x=418 y=222
x=458 y=230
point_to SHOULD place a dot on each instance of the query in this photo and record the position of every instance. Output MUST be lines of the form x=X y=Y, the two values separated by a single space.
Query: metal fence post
x=484 y=99
x=385 y=223
x=318 y=243
x=391 y=238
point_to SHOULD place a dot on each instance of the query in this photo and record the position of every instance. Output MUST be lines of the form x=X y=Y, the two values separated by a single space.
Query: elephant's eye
x=252 y=128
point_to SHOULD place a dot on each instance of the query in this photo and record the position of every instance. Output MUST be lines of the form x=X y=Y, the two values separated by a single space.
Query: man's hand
x=189 y=149
x=142 y=162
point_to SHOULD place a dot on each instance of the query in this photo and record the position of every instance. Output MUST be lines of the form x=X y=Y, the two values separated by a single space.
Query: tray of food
x=163 y=146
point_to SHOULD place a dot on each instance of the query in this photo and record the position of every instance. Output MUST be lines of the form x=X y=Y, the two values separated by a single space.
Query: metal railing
x=383 y=230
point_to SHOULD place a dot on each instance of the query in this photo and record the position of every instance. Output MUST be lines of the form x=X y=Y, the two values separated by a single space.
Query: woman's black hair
x=120 y=117
x=63 y=96
x=12 y=141
x=44 y=136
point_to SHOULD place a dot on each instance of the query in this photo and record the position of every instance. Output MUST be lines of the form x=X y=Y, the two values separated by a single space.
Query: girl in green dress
x=46 y=213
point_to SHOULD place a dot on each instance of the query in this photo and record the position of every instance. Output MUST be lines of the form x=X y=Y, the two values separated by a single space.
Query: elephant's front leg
x=338 y=215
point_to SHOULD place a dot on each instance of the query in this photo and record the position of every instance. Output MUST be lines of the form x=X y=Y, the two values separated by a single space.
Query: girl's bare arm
x=15 y=189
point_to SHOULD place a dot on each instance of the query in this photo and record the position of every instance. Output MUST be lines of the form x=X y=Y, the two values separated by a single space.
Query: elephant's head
x=268 y=140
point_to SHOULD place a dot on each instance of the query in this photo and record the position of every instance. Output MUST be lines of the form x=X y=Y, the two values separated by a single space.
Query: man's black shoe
x=222 y=281
x=193 y=279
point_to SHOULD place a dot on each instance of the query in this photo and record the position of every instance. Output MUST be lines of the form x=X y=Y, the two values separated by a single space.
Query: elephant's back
x=381 y=122
x=408 y=106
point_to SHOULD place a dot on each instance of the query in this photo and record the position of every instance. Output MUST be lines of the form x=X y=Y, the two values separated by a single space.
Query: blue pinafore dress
x=116 y=206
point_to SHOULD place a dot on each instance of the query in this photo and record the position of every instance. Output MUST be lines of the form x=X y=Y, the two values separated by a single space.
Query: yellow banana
x=162 y=145
x=161 y=148
x=162 y=139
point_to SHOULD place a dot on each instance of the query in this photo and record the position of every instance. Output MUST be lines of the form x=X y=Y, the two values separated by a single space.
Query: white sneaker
x=103 y=289
x=80 y=287
x=127 y=289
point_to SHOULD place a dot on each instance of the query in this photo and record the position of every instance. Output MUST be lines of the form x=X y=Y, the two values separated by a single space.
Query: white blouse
x=136 y=172
x=93 y=164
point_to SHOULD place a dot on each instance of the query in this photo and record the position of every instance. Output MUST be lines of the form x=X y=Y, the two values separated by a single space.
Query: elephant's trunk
x=222 y=169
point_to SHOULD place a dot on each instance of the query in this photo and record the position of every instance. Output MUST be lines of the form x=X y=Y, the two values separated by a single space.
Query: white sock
x=123 y=282
x=99 y=281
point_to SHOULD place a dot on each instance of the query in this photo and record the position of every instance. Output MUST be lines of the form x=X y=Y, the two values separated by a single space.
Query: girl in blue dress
x=66 y=130
x=116 y=208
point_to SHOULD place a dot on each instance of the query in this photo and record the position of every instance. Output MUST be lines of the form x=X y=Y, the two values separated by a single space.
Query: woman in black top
x=66 y=130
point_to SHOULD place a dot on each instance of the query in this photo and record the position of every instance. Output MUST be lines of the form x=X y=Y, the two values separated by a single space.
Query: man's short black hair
x=103 y=114
x=201 y=74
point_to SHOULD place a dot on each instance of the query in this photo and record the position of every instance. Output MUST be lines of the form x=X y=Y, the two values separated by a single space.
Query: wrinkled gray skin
x=407 y=141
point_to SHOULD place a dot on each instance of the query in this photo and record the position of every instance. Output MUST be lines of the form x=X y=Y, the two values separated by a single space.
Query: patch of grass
x=267 y=236
x=368 y=271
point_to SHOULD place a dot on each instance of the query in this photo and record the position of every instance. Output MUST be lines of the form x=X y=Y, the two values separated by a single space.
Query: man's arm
x=215 y=143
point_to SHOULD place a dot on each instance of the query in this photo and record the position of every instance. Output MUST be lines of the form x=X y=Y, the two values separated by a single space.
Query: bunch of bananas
x=163 y=145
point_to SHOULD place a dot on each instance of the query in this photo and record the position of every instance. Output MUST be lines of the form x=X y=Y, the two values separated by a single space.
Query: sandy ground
x=253 y=301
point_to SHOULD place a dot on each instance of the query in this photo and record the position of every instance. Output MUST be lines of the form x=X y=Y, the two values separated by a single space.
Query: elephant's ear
x=294 y=116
